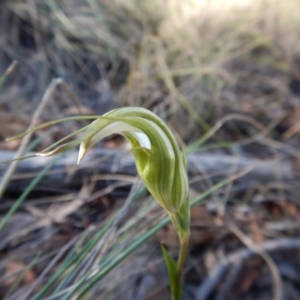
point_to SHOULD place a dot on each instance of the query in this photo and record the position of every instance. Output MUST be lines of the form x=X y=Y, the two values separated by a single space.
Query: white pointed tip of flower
x=81 y=154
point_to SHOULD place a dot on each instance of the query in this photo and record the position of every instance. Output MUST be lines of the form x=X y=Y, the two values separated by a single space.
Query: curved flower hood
x=159 y=162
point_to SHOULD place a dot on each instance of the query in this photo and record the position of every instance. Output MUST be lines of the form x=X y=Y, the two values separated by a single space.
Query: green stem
x=184 y=246
x=181 y=221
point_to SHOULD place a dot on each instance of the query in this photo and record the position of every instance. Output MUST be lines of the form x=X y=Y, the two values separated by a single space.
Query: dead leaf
x=203 y=230
x=13 y=270
x=291 y=122
x=250 y=276
x=9 y=126
x=292 y=209
x=256 y=234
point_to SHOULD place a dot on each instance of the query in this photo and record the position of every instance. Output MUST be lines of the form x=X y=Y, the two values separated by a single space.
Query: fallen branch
x=66 y=174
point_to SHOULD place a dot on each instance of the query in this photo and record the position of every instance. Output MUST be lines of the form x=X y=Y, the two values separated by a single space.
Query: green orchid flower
x=159 y=162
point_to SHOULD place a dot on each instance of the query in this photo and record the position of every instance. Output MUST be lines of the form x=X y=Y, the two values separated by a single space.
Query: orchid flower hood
x=159 y=161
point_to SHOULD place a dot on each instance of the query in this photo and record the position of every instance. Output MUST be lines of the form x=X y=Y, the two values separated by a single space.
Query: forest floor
x=224 y=75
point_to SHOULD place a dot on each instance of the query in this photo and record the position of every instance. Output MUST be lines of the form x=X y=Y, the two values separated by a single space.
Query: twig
x=277 y=285
x=25 y=140
x=217 y=273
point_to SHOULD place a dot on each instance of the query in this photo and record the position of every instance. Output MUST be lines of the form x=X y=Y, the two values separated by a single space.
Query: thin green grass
x=26 y=192
x=84 y=284
x=87 y=282
x=179 y=56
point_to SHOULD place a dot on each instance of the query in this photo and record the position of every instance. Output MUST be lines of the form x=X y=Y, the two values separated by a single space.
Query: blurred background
x=223 y=74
